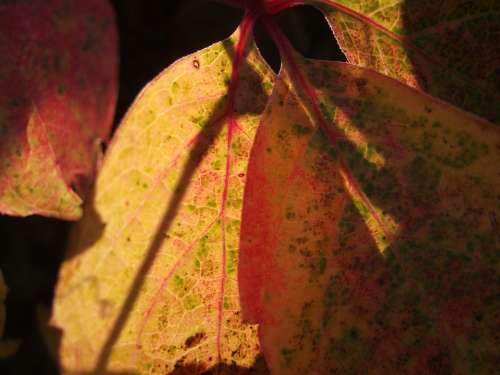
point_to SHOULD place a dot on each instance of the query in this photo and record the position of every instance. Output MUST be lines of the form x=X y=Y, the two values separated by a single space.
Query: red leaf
x=58 y=87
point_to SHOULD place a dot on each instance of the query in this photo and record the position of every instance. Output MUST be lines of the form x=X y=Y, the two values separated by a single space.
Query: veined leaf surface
x=58 y=87
x=157 y=290
x=370 y=238
x=446 y=48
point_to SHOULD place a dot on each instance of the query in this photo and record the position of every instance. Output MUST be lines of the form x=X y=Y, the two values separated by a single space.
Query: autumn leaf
x=156 y=290
x=446 y=48
x=58 y=87
x=354 y=254
x=370 y=237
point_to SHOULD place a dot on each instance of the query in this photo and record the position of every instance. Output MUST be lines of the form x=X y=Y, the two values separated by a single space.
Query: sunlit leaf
x=150 y=283
x=447 y=48
x=370 y=236
x=58 y=68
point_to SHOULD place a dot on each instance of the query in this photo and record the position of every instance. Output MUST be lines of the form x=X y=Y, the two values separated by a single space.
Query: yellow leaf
x=150 y=282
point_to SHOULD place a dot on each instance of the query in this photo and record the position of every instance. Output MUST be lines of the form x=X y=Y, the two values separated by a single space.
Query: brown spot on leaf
x=194 y=340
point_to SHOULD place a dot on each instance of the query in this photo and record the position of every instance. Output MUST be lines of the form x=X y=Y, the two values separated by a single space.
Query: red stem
x=245 y=27
x=286 y=52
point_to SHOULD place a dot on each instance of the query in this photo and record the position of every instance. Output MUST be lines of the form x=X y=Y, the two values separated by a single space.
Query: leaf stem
x=246 y=26
x=287 y=54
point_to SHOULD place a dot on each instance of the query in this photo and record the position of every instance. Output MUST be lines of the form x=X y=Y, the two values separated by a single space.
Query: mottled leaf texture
x=156 y=292
x=447 y=48
x=58 y=86
x=370 y=235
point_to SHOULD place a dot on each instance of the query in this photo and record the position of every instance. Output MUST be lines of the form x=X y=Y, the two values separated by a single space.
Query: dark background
x=153 y=34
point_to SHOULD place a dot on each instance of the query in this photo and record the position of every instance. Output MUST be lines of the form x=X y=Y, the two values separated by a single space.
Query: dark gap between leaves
x=308 y=32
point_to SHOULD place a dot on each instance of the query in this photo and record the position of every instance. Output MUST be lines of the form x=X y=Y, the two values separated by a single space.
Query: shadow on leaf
x=452 y=52
x=376 y=254
x=258 y=368
x=84 y=239
x=205 y=140
x=434 y=283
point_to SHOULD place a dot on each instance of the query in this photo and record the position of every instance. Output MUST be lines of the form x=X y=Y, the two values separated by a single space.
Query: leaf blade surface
x=447 y=49
x=355 y=257
x=177 y=144
x=58 y=87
